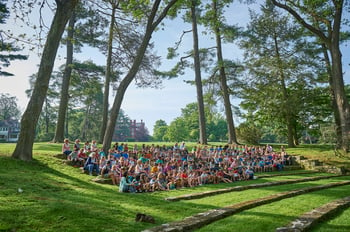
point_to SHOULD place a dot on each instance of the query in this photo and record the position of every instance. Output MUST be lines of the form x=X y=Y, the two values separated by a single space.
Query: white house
x=9 y=130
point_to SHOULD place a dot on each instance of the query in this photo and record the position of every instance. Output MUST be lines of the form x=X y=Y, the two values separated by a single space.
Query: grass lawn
x=57 y=197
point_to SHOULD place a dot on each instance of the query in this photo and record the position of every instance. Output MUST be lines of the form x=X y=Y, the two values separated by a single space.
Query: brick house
x=129 y=131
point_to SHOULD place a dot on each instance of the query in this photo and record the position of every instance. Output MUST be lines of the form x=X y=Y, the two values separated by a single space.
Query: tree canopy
x=289 y=80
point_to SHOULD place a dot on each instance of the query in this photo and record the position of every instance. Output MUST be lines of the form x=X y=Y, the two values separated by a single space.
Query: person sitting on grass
x=154 y=169
x=77 y=145
x=144 y=181
x=204 y=177
x=249 y=173
x=171 y=183
x=114 y=174
x=136 y=182
x=105 y=168
x=87 y=147
x=221 y=177
x=73 y=157
x=162 y=181
x=153 y=183
x=192 y=178
x=278 y=165
x=66 y=148
x=91 y=163
x=124 y=185
x=82 y=157
x=183 y=176
x=93 y=146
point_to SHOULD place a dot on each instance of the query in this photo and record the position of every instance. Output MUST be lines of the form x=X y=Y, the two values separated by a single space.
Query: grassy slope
x=324 y=153
x=57 y=197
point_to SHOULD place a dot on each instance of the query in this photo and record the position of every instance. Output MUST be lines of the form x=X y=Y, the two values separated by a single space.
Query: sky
x=148 y=105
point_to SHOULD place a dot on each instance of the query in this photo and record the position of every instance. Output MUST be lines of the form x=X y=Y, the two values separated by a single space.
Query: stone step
x=309 y=219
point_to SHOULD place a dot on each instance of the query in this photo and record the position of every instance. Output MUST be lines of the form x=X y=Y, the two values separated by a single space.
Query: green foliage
x=249 y=133
x=90 y=27
x=281 y=60
x=177 y=130
x=8 y=49
x=217 y=129
x=185 y=127
x=159 y=130
x=122 y=131
x=8 y=107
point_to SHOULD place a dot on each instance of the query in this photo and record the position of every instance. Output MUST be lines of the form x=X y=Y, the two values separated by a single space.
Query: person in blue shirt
x=124 y=185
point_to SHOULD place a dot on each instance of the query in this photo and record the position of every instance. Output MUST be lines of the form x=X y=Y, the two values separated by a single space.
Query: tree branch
x=302 y=21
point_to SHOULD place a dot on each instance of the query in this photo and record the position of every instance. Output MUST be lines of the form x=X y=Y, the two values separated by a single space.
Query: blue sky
x=148 y=105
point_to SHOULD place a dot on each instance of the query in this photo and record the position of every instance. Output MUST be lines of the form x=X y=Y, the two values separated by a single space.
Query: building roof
x=9 y=123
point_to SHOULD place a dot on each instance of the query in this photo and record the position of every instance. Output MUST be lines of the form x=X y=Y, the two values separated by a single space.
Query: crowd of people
x=150 y=168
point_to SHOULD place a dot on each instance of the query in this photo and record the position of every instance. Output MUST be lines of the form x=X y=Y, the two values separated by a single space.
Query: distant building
x=9 y=130
x=130 y=130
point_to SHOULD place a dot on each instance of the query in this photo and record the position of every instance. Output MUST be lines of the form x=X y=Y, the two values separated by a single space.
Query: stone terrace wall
x=316 y=165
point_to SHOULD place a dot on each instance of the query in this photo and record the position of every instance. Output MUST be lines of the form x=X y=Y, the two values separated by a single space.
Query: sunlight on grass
x=58 y=197
x=277 y=214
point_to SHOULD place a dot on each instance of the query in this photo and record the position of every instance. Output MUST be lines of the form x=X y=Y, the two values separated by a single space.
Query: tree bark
x=62 y=111
x=108 y=75
x=333 y=99
x=152 y=23
x=24 y=147
x=340 y=97
x=286 y=105
x=232 y=138
x=198 y=78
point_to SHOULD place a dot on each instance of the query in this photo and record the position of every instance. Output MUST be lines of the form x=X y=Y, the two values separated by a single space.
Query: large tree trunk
x=286 y=104
x=108 y=75
x=340 y=97
x=152 y=23
x=47 y=119
x=232 y=138
x=337 y=78
x=24 y=147
x=333 y=99
x=198 y=78
x=62 y=111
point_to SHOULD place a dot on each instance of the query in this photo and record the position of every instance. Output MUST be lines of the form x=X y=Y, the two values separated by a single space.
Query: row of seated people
x=170 y=168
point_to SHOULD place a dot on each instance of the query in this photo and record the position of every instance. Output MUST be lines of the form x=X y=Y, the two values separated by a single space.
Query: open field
x=58 y=197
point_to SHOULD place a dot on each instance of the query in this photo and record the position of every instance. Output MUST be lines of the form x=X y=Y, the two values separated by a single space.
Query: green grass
x=278 y=214
x=324 y=153
x=57 y=197
x=340 y=222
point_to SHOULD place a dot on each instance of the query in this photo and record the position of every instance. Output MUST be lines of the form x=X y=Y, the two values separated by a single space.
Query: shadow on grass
x=323 y=227
x=57 y=197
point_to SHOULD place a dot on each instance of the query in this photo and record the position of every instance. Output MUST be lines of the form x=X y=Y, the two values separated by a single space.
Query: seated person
x=124 y=185
x=92 y=163
x=73 y=156
x=153 y=183
x=249 y=173
x=204 y=177
x=171 y=183
x=114 y=174
x=105 y=168
x=66 y=148
x=82 y=157
x=93 y=146
x=77 y=145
